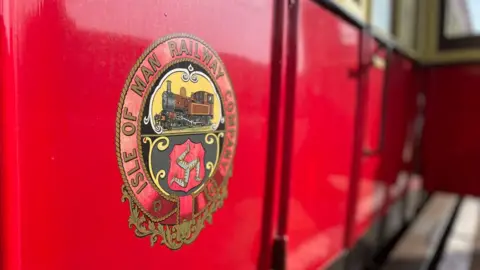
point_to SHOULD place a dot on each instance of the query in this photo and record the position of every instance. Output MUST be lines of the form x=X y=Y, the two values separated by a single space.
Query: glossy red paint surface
x=450 y=143
x=64 y=64
x=380 y=185
x=400 y=109
x=327 y=52
x=400 y=115
x=371 y=191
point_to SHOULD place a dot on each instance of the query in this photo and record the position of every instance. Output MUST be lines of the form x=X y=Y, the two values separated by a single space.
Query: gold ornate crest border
x=173 y=236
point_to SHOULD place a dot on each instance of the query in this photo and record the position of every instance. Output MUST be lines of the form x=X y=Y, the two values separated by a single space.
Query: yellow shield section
x=187 y=88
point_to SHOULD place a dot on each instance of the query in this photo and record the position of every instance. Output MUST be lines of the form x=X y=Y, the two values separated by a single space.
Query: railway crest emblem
x=176 y=134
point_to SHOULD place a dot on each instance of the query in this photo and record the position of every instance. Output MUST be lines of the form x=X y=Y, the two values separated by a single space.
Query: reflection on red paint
x=325 y=103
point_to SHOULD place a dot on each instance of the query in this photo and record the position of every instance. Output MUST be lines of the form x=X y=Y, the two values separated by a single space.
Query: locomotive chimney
x=169 y=86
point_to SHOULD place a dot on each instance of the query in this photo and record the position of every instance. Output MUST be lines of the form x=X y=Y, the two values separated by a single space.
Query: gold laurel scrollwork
x=212 y=138
x=136 y=219
x=173 y=236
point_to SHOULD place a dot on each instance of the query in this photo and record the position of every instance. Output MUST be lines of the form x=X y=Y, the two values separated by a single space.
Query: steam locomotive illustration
x=180 y=111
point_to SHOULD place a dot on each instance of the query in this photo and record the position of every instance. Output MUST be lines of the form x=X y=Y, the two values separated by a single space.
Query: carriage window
x=462 y=18
x=460 y=24
x=382 y=15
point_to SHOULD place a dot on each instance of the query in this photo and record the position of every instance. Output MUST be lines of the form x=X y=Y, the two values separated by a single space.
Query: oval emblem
x=176 y=135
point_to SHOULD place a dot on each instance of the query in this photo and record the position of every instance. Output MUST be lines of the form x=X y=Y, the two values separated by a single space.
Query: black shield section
x=161 y=159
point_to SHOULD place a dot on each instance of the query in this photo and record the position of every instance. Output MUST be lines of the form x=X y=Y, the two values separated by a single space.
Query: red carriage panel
x=64 y=65
x=323 y=134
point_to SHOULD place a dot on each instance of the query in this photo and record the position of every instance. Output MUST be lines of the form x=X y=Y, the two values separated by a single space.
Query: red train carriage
x=288 y=135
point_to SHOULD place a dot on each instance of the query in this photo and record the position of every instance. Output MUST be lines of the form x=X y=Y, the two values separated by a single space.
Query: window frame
x=444 y=43
x=398 y=23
